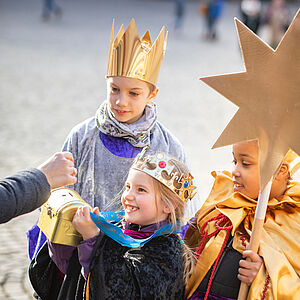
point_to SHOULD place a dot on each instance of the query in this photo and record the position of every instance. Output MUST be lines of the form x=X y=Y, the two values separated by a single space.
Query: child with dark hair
x=223 y=227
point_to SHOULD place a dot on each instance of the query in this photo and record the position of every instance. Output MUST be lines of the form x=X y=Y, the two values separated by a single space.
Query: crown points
x=133 y=57
x=119 y=36
x=146 y=38
x=146 y=42
x=131 y=30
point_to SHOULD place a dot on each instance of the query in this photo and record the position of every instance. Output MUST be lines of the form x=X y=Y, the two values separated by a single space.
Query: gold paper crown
x=293 y=159
x=131 y=57
x=161 y=167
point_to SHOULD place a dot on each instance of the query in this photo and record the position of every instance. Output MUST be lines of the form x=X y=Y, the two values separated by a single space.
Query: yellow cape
x=279 y=245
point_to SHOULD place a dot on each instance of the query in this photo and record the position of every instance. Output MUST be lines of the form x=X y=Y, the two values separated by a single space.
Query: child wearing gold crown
x=105 y=145
x=141 y=257
x=223 y=226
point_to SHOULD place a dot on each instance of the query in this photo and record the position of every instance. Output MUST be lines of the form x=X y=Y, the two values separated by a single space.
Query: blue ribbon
x=116 y=233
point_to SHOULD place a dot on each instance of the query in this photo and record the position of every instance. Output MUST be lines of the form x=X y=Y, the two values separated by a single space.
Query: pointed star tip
x=238 y=21
x=203 y=78
x=240 y=25
x=216 y=144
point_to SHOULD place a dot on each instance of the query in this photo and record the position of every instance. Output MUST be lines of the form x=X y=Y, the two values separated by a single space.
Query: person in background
x=179 y=14
x=212 y=11
x=51 y=7
x=278 y=19
x=29 y=189
x=251 y=14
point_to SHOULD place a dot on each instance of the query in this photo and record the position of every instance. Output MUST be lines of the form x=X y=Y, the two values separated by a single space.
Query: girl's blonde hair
x=176 y=206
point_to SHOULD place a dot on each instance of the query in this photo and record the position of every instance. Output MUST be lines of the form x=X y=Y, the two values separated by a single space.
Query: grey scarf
x=137 y=133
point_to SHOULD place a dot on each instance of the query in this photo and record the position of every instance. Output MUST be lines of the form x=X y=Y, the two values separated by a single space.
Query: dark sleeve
x=22 y=193
x=61 y=255
x=153 y=271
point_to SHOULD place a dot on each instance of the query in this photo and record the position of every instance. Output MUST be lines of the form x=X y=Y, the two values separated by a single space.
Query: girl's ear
x=152 y=96
x=167 y=210
x=283 y=172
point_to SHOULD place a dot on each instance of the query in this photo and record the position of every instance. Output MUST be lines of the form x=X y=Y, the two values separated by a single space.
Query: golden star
x=268 y=96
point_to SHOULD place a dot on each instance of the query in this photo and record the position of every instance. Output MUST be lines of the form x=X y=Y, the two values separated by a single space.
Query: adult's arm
x=29 y=189
x=22 y=193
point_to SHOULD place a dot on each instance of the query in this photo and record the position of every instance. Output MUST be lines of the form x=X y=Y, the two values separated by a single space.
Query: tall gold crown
x=162 y=167
x=133 y=57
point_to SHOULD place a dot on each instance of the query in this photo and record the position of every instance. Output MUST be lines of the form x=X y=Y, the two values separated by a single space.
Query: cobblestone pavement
x=52 y=77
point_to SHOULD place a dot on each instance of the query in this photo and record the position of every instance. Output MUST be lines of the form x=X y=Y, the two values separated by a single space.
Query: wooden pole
x=258 y=224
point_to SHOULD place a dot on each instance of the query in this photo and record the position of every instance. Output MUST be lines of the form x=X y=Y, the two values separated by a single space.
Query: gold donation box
x=57 y=214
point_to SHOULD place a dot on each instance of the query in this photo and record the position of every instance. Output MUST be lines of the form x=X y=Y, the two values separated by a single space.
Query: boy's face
x=142 y=205
x=246 y=169
x=127 y=98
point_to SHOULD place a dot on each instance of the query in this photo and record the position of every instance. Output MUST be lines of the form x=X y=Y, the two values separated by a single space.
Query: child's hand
x=249 y=269
x=83 y=222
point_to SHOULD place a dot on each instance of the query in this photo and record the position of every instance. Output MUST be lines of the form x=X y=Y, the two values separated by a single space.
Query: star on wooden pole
x=268 y=97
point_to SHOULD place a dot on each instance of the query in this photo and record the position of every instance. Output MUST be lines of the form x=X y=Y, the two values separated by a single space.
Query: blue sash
x=116 y=233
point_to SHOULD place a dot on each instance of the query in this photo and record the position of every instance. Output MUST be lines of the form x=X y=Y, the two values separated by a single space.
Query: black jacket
x=153 y=271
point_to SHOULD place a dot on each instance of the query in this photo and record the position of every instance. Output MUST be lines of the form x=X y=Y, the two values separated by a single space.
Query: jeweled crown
x=162 y=167
x=133 y=57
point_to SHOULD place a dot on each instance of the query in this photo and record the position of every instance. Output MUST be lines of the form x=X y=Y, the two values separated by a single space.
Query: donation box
x=57 y=214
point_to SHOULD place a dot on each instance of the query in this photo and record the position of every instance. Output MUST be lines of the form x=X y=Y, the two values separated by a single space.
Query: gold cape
x=279 y=245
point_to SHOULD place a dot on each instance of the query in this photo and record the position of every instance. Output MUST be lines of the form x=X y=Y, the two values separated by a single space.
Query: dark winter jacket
x=153 y=271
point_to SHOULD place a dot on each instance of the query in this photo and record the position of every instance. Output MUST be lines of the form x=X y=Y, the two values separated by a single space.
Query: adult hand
x=249 y=268
x=59 y=169
x=83 y=222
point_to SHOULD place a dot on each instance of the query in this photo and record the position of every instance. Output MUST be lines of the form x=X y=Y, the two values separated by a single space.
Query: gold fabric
x=279 y=245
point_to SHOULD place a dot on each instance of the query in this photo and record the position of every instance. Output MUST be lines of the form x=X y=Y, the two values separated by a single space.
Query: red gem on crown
x=162 y=164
